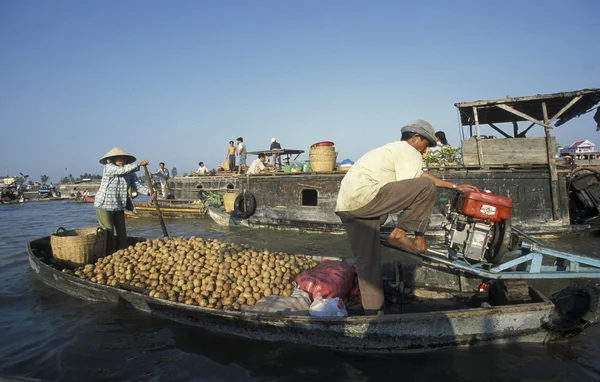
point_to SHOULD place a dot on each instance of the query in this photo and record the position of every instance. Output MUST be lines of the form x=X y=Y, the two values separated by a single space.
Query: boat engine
x=478 y=226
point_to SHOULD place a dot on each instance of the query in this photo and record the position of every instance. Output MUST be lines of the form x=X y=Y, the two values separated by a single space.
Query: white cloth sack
x=328 y=307
x=296 y=304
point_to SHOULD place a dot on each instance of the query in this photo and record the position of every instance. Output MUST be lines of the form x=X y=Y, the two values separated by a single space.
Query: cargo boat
x=521 y=168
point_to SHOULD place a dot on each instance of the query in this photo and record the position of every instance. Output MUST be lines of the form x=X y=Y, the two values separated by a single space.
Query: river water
x=47 y=335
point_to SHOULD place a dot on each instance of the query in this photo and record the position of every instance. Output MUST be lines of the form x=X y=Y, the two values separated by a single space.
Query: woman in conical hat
x=112 y=198
x=117 y=152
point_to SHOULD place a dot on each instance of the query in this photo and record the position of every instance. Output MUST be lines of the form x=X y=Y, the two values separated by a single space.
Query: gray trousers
x=416 y=197
x=164 y=186
x=113 y=221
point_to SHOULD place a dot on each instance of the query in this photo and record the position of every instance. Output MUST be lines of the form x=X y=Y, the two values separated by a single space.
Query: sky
x=175 y=81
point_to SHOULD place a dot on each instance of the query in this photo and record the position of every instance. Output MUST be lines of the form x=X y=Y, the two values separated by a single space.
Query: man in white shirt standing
x=387 y=180
x=258 y=166
x=241 y=151
x=163 y=176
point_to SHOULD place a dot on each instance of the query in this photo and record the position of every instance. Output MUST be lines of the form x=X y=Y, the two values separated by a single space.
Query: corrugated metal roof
x=487 y=111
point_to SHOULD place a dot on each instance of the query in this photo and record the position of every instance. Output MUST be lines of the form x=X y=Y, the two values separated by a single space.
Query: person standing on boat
x=387 y=180
x=258 y=166
x=163 y=176
x=441 y=142
x=241 y=151
x=230 y=156
x=275 y=158
x=112 y=197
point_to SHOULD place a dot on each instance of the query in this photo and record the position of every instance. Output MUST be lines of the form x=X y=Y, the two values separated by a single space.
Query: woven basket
x=228 y=200
x=78 y=247
x=321 y=160
x=322 y=149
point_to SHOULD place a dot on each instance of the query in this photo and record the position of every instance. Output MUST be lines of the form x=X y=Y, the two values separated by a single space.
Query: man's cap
x=423 y=128
x=273 y=140
x=117 y=152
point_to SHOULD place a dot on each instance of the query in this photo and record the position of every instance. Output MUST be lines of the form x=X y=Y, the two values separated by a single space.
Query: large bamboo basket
x=78 y=247
x=228 y=201
x=322 y=160
x=322 y=149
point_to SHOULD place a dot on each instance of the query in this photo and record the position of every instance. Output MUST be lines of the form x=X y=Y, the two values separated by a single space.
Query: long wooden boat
x=171 y=208
x=529 y=321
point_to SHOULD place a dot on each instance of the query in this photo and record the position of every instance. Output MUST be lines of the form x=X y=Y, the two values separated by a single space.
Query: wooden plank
x=499 y=130
x=522 y=115
x=567 y=107
x=508 y=151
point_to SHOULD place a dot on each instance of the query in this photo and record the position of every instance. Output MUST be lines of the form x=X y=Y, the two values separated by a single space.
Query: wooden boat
x=229 y=219
x=85 y=199
x=219 y=216
x=186 y=208
x=443 y=325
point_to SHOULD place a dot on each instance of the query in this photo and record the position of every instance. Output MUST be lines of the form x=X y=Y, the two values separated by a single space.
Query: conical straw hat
x=117 y=152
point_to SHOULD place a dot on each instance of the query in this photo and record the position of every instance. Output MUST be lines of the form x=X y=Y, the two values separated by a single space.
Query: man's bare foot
x=398 y=239
x=420 y=243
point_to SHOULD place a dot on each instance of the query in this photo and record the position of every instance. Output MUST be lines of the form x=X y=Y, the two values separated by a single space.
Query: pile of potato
x=194 y=271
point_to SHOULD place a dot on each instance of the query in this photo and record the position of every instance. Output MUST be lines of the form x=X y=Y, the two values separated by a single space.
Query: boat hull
x=387 y=333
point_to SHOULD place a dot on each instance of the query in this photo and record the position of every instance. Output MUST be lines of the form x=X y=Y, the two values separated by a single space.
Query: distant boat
x=85 y=199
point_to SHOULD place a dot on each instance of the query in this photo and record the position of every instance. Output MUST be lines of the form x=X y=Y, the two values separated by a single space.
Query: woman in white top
x=440 y=137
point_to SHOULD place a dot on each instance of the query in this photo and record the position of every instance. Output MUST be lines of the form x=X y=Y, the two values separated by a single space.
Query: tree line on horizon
x=44 y=179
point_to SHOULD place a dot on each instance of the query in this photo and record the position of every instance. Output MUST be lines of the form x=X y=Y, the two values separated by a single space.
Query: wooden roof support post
x=551 y=165
x=478 y=137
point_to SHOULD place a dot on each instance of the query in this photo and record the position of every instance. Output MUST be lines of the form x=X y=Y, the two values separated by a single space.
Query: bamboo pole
x=162 y=221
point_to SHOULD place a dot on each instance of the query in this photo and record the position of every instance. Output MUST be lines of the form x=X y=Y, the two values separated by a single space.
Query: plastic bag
x=306 y=167
x=297 y=304
x=328 y=307
x=328 y=279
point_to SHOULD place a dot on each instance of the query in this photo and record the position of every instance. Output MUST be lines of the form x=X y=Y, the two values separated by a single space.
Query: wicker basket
x=322 y=149
x=78 y=247
x=228 y=200
x=322 y=160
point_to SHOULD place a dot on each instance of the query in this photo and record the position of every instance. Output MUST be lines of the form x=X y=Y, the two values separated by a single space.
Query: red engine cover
x=484 y=205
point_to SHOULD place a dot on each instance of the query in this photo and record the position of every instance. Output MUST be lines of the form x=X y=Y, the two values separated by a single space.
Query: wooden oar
x=162 y=221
